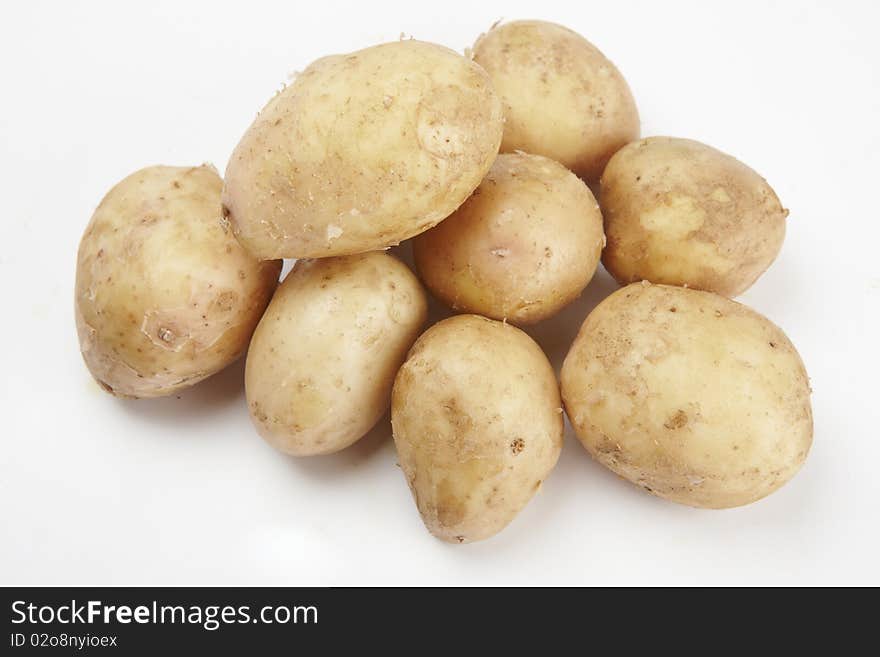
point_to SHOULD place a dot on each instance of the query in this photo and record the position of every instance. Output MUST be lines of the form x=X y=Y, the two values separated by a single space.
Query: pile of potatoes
x=489 y=162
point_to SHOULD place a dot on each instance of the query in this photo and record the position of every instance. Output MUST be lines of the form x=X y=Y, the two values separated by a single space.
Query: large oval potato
x=523 y=246
x=323 y=358
x=561 y=96
x=478 y=425
x=363 y=151
x=692 y=396
x=682 y=213
x=165 y=295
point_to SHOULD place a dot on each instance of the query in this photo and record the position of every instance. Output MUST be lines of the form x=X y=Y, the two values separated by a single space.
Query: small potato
x=561 y=96
x=363 y=151
x=323 y=358
x=524 y=245
x=478 y=425
x=165 y=295
x=682 y=213
x=692 y=396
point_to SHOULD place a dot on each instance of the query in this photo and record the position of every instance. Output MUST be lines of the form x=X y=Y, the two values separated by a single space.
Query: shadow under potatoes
x=194 y=404
x=351 y=458
x=556 y=334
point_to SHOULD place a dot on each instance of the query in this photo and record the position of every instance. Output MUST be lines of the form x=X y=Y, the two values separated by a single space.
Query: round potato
x=478 y=425
x=682 y=213
x=561 y=96
x=692 y=396
x=323 y=358
x=363 y=151
x=524 y=245
x=165 y=295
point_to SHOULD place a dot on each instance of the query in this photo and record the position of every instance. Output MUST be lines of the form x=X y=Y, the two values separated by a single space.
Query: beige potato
x=562 y=97
x=682 y=213
x=478 y=425
x=696 y=398
x=524 y=245
x=165 y=295
x=363 y=151
x=323 y=358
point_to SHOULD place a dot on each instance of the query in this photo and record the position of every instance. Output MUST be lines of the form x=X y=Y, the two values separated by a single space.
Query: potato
x=363 y=151
x=323 y=358
x=694 y=397
x=524 y=245
x=165 y=295
x=562 y=97
x=682 y=213
x=477 y=421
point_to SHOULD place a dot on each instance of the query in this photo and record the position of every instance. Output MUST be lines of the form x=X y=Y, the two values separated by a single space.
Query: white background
x=95 y=490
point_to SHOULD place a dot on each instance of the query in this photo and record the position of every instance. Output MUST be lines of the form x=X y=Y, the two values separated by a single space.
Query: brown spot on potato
x=677 y=420
x=225 y=301
x=450 y=507
x=517 y=446
x=258 y=412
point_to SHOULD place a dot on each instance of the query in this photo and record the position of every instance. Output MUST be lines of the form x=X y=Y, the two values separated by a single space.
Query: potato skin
x=165 y=295
x=524 y=245
x=562 y=97
x=323 y=358
x=477 y=423
x=682 y=213
x=696 y=398
x=363 y=151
